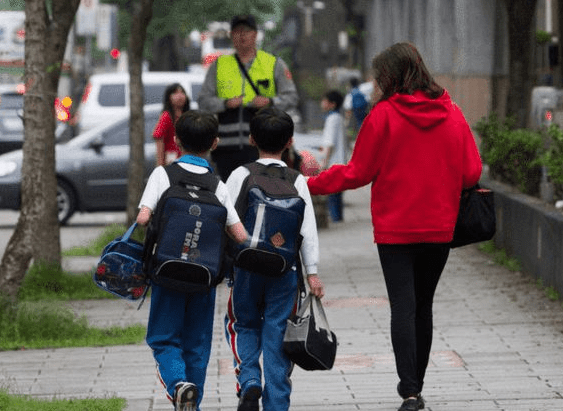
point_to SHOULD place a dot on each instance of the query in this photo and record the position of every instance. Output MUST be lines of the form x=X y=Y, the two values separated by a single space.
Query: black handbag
x=308 y=340
x=476 y=220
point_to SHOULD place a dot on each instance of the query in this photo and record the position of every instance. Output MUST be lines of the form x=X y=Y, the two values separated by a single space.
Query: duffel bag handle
x=129 y=232
x=304 y=306
x=318 y=312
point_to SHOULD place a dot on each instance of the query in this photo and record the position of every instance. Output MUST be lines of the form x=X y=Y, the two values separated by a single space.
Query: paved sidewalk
x=498 y=341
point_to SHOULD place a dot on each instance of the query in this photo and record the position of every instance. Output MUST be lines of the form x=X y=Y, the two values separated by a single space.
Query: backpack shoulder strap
x=273 y=171
x=180 y=176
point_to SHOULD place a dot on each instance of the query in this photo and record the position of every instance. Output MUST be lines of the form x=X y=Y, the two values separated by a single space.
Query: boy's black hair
x=271 y=129
x=336 y=97
x=354 y=82
x=196 y=130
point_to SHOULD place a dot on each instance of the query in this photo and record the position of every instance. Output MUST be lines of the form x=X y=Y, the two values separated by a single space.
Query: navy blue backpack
x=186 y=237
x=359 y=105
x=272 y=213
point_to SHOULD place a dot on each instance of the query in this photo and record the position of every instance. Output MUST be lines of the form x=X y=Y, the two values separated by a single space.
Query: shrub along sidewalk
x=517 y=156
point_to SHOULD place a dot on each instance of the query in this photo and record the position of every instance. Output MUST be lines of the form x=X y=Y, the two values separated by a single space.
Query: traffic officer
x=238 y=85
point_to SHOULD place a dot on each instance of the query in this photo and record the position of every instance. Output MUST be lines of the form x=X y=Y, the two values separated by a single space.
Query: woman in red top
x=418 y=152
x=176 y=101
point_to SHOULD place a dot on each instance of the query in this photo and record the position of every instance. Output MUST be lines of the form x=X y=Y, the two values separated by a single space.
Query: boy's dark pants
x=179 y=332
x=255 y=324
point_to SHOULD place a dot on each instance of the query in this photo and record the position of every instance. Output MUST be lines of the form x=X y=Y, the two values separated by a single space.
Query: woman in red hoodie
x=418 y=152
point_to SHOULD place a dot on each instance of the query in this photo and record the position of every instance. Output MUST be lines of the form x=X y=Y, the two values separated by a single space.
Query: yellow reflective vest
x=230 y=77
x=231 y=82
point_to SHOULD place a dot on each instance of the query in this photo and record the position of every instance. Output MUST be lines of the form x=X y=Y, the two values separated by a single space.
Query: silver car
x=91 y=169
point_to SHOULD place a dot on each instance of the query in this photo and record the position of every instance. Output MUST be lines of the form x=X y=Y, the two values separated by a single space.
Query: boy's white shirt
x=158 y=183
x=334 y=136
x=310 y=245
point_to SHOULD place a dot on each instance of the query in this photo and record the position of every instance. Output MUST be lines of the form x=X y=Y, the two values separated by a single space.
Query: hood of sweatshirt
x=420 y=110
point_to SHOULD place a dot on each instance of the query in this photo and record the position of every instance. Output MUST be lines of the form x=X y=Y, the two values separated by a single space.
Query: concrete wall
x=531 y=231
x=463 y=43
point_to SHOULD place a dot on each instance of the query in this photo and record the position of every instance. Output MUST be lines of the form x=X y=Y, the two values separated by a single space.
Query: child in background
x=260 y=305
x=180 y=326
x=176 y=102
x=334 y=146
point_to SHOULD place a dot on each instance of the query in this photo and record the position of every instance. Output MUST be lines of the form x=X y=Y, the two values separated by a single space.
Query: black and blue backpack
x=272 y=212
x=185 y=239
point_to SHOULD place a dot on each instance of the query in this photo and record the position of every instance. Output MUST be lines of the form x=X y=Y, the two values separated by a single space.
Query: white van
x=106 y=96
x=12 y=35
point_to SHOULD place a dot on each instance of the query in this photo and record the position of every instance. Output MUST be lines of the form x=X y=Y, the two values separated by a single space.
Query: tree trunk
x=48 y=241
x=520 y=24
x=166 y=54
x=142 y=14
x=560 y=43
x=36 y=236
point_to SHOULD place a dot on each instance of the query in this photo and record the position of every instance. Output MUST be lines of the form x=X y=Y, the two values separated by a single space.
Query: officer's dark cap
x=246 y=19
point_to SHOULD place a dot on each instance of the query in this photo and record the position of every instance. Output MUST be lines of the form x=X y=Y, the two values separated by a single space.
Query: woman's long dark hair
x=166 y=100
x=400 y=69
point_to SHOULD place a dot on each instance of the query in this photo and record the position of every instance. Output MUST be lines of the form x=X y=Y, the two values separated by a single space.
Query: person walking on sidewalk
x=238 y=85
x=176 y=102
x=259 y=304
x=334 y=146
x=359 y=104
x=418 y=152
x=180 y=326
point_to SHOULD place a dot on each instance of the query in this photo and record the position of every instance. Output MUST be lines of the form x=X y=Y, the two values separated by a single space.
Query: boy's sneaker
x=185 y=397
x=249 y=399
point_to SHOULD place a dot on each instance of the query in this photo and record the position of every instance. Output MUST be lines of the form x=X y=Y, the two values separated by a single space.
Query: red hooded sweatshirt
x=418 y=154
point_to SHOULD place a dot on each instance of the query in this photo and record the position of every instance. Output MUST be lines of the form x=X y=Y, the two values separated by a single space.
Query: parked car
x=91 y=169
x=11 y=120
x=11 y=124
x=106 y=96
x=311 y=142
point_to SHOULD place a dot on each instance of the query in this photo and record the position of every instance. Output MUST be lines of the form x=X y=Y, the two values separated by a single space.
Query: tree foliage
x=177 y=18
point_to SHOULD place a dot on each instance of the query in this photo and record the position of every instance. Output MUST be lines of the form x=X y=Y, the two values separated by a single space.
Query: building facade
x=465 y=45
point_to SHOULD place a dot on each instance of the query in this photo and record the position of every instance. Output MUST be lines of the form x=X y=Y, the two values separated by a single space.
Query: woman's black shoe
x=420 y=402
x=410 y=404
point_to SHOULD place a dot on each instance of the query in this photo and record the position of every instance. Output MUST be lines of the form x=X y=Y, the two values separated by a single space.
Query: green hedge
x=553 y=158
x=516 y=156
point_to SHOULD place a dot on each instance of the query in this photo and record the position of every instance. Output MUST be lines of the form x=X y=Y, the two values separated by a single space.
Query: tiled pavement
x=498 y=341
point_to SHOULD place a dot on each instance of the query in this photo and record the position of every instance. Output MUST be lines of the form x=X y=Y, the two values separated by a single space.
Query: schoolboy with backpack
x=276 y=209
x=360 y=105
x=188 y=210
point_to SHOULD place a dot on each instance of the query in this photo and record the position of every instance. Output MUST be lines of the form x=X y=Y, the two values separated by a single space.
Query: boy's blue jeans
x=179 y=332
x=335 y=206
x=255 y=324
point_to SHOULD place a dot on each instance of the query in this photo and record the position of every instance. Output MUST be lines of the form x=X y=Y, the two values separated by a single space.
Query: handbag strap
x=243 y=69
